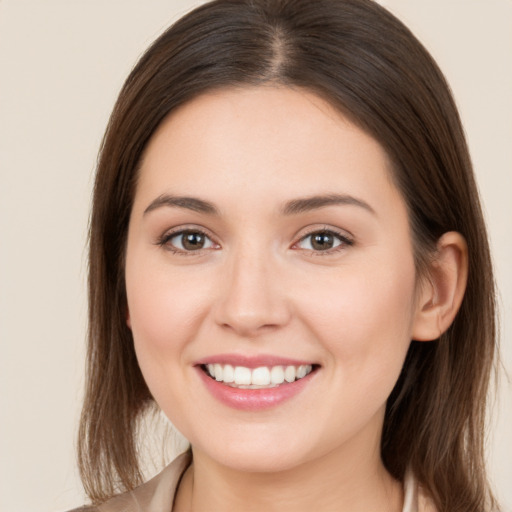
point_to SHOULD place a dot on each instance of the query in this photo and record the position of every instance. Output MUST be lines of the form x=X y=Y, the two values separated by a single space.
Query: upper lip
x=254 y=361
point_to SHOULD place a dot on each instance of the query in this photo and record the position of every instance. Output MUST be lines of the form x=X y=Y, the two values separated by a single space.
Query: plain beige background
x=62 y=63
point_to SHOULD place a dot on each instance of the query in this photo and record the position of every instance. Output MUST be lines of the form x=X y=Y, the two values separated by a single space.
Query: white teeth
x=242 y=375
x=289 y=374
x=217 y=368
x=229 y=373
x=277 y=375
x=261 y=377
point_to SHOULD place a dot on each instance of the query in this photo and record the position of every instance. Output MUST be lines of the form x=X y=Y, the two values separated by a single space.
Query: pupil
x=322 y=241
x=193 y=241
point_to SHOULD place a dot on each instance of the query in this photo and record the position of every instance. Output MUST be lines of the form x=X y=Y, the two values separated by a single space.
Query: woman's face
x=267 y=241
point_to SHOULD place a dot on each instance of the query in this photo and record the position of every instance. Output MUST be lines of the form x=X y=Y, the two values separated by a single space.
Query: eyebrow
x=307 y=204
x=292 y=207
x=188 y=203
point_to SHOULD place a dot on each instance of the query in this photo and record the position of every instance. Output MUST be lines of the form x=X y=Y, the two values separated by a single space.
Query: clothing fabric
x=157 y=495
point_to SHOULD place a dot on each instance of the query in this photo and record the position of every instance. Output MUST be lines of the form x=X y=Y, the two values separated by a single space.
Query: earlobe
x=443 y=289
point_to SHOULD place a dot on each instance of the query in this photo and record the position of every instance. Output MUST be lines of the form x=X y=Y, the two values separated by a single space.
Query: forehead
x=264 y=142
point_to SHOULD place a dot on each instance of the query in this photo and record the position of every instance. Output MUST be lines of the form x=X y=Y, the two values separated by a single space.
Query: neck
x=339 y=480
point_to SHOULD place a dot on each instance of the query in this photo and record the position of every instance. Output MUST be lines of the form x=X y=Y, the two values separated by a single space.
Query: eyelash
x=344 y=240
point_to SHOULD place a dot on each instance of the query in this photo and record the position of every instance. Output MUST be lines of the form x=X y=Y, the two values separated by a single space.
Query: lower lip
x=254 y=399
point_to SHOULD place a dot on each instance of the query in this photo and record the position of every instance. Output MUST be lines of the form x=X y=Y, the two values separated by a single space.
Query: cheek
x=165 y=313
x=365 y=326
x=364 y=316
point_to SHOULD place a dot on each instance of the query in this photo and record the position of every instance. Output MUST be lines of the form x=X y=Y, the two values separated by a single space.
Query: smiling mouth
x=263 y=377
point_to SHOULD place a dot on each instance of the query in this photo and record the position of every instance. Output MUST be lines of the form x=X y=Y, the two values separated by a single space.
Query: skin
x=258 y=287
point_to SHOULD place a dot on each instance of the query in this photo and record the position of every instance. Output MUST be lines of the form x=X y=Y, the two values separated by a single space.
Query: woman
x=284 y=200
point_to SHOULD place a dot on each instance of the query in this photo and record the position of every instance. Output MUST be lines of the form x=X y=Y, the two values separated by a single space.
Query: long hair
x=367 y=64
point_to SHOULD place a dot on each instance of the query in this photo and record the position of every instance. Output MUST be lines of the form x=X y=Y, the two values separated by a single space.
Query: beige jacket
x=157 y=495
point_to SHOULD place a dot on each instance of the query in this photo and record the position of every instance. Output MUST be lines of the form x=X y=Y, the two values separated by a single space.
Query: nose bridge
x=251 y=297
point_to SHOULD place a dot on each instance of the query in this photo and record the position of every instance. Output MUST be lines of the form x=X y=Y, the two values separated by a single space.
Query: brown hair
x=365 y=62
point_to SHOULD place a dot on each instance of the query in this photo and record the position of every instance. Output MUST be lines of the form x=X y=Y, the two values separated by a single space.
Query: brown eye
x=323 y=241
x=190 y=241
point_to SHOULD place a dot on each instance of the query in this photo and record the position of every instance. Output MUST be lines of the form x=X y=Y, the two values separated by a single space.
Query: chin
x=256 y=461
x=257 y=453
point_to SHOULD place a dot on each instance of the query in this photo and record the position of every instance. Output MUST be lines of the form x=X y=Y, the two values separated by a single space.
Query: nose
x=252 y=296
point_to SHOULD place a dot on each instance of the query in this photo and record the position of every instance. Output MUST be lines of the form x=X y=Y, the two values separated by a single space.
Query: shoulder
x=156 y=495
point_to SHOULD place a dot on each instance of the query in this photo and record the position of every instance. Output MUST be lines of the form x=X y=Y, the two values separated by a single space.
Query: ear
x=442 y=290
